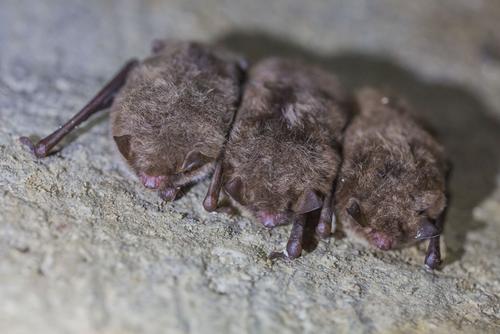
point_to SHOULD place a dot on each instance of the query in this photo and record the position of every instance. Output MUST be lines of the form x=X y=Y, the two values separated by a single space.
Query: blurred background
x=86 y=250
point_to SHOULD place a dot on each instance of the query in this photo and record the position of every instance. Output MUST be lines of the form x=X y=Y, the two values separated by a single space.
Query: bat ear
x=235 y=189
x=354 y=210
x=308 y=201
x=123 y=143
x=426 y=229
x=193 y=160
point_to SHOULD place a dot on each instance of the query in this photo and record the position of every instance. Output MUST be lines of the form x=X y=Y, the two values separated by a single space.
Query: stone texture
x=85 y=249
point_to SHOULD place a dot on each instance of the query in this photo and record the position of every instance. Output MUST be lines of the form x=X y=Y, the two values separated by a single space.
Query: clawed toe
x=39 y=150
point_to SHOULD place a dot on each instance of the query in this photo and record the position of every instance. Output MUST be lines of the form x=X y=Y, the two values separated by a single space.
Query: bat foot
x=39 y=150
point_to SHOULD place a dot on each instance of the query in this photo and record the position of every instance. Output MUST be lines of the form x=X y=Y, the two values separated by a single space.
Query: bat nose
x=151 y=182
x=382 y=240
x=426 y=230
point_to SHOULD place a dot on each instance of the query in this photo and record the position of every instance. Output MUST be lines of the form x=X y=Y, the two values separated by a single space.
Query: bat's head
x=162 y=165
x=171 y=118
x=391 y=223
x=390 y=204
x=275 y=173
x=270 y=205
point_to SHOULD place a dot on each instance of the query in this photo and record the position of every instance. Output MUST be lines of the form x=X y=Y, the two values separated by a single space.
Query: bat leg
x=102 y=100
x=210 y=203
x=324 y=227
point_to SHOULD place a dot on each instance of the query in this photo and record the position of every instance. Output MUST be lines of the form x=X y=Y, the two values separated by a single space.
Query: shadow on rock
x=462 y=122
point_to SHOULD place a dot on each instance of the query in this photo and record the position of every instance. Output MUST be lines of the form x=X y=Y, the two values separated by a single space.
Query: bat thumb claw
x=210 y=204
x=278 y=255
x=38 y=150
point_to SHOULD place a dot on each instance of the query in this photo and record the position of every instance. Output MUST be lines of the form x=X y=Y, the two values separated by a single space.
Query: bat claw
x=278 y=255
x=210 y=203
x=39 y=150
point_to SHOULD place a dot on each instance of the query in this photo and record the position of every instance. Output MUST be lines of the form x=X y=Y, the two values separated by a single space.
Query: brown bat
x=283 y=152
x=170 y=113
x=392 y=184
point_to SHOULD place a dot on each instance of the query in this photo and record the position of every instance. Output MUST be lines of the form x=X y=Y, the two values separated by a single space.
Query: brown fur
x=394 y=170
x=179 y=100
x=285 y=139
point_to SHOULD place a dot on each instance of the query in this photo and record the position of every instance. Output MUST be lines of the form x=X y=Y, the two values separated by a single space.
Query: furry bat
x=283 y=152
x=391 y=189
x=170 y=113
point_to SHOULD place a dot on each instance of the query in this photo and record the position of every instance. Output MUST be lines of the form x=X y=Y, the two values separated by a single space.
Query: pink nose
x=151 y=182
x=381 y=240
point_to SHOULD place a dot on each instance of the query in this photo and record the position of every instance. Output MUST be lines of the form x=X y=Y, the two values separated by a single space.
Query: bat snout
x=151 y=182
x=381 y=240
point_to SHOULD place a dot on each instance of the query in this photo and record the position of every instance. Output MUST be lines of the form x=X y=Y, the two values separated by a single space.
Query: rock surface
x=85 y=249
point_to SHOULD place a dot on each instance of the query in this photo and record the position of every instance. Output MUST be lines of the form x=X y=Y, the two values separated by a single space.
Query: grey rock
x=85 y=249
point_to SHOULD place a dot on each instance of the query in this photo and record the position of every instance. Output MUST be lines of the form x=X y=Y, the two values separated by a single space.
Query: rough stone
x=86 y=249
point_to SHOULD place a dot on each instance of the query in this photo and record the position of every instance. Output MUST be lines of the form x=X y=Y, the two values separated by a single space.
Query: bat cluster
x=282 y=141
